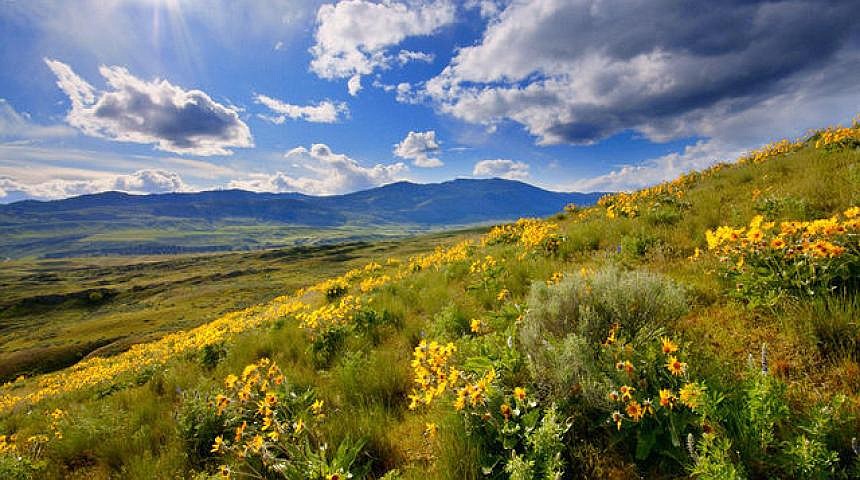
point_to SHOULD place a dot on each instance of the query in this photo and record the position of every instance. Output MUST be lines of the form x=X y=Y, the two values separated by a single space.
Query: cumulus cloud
x=141 y=181
x=151 y=112
x=580 y=71
x=421 y=148
x=15 y=125
x=327 y=173
x=630 y=177
x=353 y=37
x=501 y=168
x=353 y=85
x=325 y=111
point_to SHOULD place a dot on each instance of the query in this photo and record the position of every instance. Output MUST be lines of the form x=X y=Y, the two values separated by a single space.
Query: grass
x=129 y=429
x=55 y=312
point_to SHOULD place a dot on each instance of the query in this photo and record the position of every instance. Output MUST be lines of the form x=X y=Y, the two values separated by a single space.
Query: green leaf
x=478 y=364
x=645 y=443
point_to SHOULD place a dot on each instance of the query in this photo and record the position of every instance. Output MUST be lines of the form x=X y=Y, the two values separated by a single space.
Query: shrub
x=198 y=426
x=590 y=304
x=713 y=459
x=450 y=323
x=212 y=354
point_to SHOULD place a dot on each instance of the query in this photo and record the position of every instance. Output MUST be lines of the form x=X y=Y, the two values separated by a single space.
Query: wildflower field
x=707 y=327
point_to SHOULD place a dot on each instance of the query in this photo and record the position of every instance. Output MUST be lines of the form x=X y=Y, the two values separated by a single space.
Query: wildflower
x=503 y=294
x=430 y=430
x=240 y=430
x=460 y=402
x=667 y=399
x=219 y=445
x=627 y=366
x=520 y=393
x=267 y=423
x=777 y=243
x=668 y=346
x=691 y=395
x=626 y=392
x=634 y=411
x=300 y=424
x=316 y=408
x=647 y=407
x=617 y=417
x=230 y=381
x=475 y=325
x=256 y=444
x=505 y=410
x=224 y=471
x=675 y=366
x=221 y=403
x=613 y=396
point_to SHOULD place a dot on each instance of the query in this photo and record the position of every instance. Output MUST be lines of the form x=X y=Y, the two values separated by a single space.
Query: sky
x=330 y=97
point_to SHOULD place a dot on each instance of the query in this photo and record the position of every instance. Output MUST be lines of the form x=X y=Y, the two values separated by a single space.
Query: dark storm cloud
x=645 y=65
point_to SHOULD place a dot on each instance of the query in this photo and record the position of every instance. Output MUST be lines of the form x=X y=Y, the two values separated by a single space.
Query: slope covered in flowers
x=704 y=327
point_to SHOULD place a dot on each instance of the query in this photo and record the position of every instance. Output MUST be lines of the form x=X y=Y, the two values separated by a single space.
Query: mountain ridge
x=239 y=219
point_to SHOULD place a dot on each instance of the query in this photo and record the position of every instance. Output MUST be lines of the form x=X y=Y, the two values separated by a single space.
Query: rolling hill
x=119 y=223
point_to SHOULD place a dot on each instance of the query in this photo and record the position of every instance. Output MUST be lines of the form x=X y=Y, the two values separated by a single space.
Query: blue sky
x=152 y=96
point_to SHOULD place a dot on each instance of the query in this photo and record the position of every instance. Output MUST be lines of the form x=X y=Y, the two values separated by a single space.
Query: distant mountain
x=119 y=223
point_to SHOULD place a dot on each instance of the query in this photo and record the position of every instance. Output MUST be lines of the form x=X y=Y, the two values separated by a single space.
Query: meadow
x=706 y=327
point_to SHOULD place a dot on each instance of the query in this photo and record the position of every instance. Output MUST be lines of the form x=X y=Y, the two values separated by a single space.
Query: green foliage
x=326 y=344
x=14 y=467
x=198 y=426
x=713 y=460
x=766 y=408
x=450 y=323
x=211 y=355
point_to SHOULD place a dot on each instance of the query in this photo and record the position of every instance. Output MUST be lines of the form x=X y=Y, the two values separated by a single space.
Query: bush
x=198 y=426
x=327 y=344
x=566 y=323
x=211 y=355
x=17 y=468
x=450 y=323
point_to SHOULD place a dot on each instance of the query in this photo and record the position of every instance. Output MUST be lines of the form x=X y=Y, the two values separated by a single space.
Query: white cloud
x=141 y=181
x=487 y=8
x=16 y=125
x=501 y=168
x=328 y=173
x=656 y=170
x=421 y=148
x=580 y=71
x=353 y=36
x=354 y=84
x=156 y=112
x=323 y=112
x=406 y=56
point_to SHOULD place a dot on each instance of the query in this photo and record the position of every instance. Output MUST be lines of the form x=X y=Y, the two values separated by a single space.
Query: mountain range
x=121 y=223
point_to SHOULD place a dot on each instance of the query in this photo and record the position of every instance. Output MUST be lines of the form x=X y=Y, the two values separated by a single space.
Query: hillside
x=115 y=223
x=702 y=328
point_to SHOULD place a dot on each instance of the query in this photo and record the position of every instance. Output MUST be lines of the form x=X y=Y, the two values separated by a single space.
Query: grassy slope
x=131 y=431
x=54 y=312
